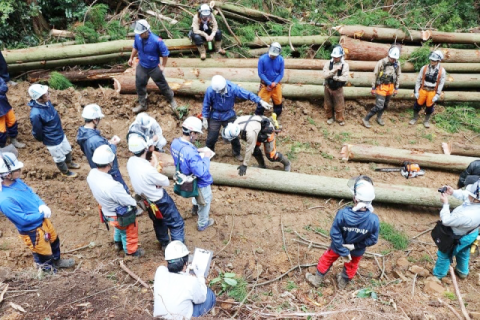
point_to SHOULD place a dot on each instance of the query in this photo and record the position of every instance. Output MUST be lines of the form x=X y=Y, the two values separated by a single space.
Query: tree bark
x=461 y=149
x=398 y=156
x=250 y=13
x=61 y=34
x=296 y=41
x=310 y=185
x=79 y=75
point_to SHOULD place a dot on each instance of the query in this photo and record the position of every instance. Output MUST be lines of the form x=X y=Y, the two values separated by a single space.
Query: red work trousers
x=329 y=257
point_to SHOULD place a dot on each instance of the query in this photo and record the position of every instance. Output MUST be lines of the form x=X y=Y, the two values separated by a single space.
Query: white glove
x=265 y=105
x=349 y=246
x=436 y=97
x=205 y=123
x=417 y=95
x=47 y=213
x=150 y=142
x=115 y=140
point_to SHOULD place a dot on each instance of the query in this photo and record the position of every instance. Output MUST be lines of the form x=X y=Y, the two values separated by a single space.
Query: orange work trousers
x=275 y=94
x=426 y=96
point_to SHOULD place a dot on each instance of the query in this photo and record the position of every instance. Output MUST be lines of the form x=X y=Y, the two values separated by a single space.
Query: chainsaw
x=408 y=170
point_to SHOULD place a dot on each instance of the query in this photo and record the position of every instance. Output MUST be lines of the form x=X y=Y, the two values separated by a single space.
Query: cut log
x=310 y=185
x=296 y=41
x=79 y=75
x=370 y=51
x=250 y=13
x=398 y=156
x=461 y=149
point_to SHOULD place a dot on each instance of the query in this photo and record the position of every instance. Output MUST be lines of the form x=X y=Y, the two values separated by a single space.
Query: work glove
x=347 y=258
x=435 y=98
x=47 y=213
x=373 y=91
x=242 y=170
x=265 y=105
x=115 y=140
x=349 y=246
x=205 y=123
x=417 y=95
x=395 y=92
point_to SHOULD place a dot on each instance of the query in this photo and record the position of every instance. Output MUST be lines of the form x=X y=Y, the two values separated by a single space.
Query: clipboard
x=202 y=258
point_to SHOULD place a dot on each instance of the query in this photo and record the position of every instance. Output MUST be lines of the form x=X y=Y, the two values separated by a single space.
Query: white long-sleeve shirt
x=146 y=179
x=175 y=293
x=463 y=218
x=154 y=129
x=109 y=193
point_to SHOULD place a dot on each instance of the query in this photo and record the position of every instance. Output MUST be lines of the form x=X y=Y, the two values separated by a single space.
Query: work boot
x=218 y=47
x=341 y=123
x=118 y=246
x=414 y=119
x=341 y=281
x=460 y=274
x=17 y=144
x=139 y=253
x=70 y=163
x=202 y=51
x=195 y=210
x=366 y=120
x=286 y=164
x=209 y=223
x=238 y=157
x=315 y=280
x=426 y=122
x=261 y=161
x=173 y=105
x=62 y=166
x=330 y=121
x=63 y=263
x=380 y=121
x=139 y=109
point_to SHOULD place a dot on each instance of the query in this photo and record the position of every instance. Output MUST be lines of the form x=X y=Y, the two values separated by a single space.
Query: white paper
x=201 y=260
x=205 y=149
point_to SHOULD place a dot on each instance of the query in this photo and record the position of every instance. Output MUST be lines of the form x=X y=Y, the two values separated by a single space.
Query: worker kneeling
x=255 y=130
x=177 y=293
x=353 y=230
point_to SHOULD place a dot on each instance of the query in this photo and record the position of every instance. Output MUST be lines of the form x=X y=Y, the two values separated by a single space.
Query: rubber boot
x=139 y=109
x=426 y=122
x=415 y=118
x=17 y=144
x=261 y=161
x=202 y=51
x=218 y=47
x=330 y=121
x=366 y=120
x=70 y=163
x=62 y=166
x=195 y=210
x=315 y=280
x=341 y=281
x=63 y=263
x=118 y=246
x=379 y=118
x=286 y=164
x=139 y=253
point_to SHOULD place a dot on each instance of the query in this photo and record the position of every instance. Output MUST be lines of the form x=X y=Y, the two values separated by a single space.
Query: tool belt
x=429 y=88
x=126 y=215
x=334 y=84
x=384 y=80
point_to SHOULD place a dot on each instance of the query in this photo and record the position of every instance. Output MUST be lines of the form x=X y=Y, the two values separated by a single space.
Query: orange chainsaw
x=408 y=170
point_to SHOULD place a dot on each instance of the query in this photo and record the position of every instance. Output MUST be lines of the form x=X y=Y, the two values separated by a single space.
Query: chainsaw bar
x=389 y=169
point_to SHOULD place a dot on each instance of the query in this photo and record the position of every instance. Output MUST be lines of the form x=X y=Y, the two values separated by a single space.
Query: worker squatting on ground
x=149 y=128
x=255 y=130
x=218 y=110
x=8 y=121
x=385 y=85
x=191 y=162
x=469 y=175
x=336 y=75
x=30 y=215
x=179 y=290
x=149 y=48
x=4 y=71
x=117 y=207
x=149 y=183
x=47 y=128
x=428 y=88
x=464 y=221
x=205 y=29
x=353 y=230
x=89 y=139
x=271 y=67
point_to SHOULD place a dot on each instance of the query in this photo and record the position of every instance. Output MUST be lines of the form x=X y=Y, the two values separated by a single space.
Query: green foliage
x=86 y=33
x=291 y=285
x=397 y=238
x=116 y=31
x=450 y=295
x=97 y=15
x=235 y=287
x=462 y=117
x=367 y=293
x=182 y=111
x=58 y=81
x=419 y=57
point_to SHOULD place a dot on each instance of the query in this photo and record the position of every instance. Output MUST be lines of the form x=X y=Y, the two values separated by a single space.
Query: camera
x=442 y=189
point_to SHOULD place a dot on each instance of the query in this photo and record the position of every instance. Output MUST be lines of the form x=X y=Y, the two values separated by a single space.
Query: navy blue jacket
x=46 y=123
x=359 y=228
x=4 y=104
x=89 y=140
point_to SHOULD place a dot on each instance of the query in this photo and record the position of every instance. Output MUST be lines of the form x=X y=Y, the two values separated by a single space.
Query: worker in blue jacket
x=30 y=215
x=89 y=139
x=218 y=110
x=8 y=122
x=271 y=67
x=353 y=230
x=47 y=128
x=184 y=151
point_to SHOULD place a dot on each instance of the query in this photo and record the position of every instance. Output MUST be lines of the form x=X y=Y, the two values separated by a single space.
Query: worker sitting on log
x=117 y=207
x=150 y=184
x=336 y=75
x=353 y=230
x=428 y=88
x=205 y=29
x=218 y=110
x=385 y=85
x=464 y=222
x=8 y=122
x=30 y=215
x=149 y=128
x=470 y=175
x=47 y=128
x=271 y=67
x=149 y=48
x=255 y=130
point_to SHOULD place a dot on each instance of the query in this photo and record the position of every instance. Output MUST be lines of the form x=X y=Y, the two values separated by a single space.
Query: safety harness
x=334 y=84
x=266 y=128
x=383 y=78
x=432 y=78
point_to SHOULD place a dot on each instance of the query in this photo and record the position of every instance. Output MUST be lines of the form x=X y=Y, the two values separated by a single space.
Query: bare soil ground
x=247 y=237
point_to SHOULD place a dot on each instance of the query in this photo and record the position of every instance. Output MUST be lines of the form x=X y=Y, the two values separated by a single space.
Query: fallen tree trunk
x=296 y=41
x=310 y=185
x=250 y=13
x=79 y=75
x=398 y=156
x=61 y=33
x=461 y=149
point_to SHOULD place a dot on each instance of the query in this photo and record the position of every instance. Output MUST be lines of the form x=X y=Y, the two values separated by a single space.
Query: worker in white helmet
x=149 y=128
x=205 y=30
x=336 y=75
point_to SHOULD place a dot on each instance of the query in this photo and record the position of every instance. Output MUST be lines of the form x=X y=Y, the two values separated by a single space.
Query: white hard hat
x=144 y=120
x=231 y=131
x=36 y=91
x=394 y=53
x=141 y=26
x=103 y=155
x=205 y=10
x=92 y=112
x=176 y=250
x=337 y=52
x=364 y=191
x=136 y=143
x=275 y=49
x=192 y=124
x=9 y=163
x=474 y=190
x=218 y=83
x=436 y=55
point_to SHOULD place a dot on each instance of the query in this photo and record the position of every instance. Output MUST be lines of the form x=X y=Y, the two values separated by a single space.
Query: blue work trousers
x=201 y=309
x=172 y=220
x=204 y=210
